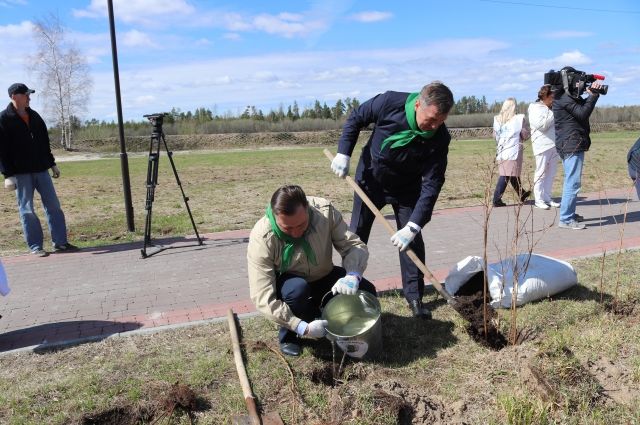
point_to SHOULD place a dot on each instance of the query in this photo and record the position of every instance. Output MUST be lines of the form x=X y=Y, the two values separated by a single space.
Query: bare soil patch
x=481 y=317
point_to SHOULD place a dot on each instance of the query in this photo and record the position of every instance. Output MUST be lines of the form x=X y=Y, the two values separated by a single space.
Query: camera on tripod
x=157 y=138
x=156 y=119
x=573 y=81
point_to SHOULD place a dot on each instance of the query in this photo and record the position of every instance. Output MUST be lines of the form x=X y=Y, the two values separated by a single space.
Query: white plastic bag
x=539 y=277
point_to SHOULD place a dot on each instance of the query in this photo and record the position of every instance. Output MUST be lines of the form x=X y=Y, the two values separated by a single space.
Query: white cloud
x=136 y=11
x=23 y=29
x=230 y=84
x=573 y=58
x=371 y=16
x=11 y=3
x=288 y=84
x=135 y=38
x=203 y=42
x=511 y=87
x=233 y=36
x=288 y=25
x=567 y=34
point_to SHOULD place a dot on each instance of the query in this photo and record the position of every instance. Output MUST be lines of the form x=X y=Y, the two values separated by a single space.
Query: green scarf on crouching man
x=405 y=137
x=290 y=244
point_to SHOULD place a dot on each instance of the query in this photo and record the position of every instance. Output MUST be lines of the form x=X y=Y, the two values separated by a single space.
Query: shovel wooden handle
x=249 y=399
x=412 y=255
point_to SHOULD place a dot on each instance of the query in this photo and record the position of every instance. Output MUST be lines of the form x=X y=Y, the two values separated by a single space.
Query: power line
x=584 y=9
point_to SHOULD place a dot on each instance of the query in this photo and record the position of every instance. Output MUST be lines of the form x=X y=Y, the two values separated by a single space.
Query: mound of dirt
x=413 y=406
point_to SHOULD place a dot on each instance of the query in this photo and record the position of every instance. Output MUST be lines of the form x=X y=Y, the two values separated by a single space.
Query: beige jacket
x=326 y=230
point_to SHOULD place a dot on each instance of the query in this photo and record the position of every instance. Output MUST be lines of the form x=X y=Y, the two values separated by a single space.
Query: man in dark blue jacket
x=571 y=119
x=403 y=164
x=25 y=158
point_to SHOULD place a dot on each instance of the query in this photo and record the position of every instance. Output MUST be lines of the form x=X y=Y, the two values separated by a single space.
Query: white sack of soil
x=539 y=277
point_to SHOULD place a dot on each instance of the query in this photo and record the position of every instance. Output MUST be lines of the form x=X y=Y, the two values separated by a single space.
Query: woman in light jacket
x=543 y=143
x=510 y=130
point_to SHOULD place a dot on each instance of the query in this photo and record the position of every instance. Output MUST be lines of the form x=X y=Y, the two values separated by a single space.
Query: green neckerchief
x=405 y=137
x=290 y=244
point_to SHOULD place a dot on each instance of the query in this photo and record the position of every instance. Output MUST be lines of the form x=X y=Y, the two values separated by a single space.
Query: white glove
x=403 y=237
x=347 y=285
x=340 y=165
x=10 y=183
x=55 y=172
x=316 y=329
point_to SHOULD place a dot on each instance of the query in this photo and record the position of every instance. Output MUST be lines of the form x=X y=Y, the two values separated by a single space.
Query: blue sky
x=225 y=55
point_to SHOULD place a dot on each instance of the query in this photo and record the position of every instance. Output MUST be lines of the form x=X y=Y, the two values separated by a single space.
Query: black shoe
x=525 y=195
x=418 y=310
x=290 y=349
x=578 y=218
x=499 y=203
x=67 y=247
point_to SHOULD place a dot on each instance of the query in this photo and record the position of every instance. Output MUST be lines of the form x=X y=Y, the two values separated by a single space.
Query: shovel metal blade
x=270 y=418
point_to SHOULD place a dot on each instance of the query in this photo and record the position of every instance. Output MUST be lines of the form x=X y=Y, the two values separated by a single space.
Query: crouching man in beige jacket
x=290 y=263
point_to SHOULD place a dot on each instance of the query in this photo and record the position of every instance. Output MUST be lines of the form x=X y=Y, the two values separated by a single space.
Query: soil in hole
x=623 y=308
x=323 y=375
x=120 y=415
x=470 y=300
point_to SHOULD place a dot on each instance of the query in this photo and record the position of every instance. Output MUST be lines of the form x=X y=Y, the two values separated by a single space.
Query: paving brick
x=110 y=289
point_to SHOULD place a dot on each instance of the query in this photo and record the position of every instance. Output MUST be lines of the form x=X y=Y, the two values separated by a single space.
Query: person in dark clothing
x=633 y=164
x=571 y=115
x=403 y=164
x=25 y=158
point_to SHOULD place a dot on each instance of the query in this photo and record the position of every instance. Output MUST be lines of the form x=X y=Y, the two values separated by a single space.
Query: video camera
x=573 y=81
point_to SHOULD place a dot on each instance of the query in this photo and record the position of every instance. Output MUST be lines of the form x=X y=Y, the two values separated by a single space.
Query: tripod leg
x=184 y=197
x=152 y=181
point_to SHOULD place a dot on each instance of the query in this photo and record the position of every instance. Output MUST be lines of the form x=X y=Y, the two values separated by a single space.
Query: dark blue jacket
x=414 y=172
x=571 y=120
x=633 y=157
x=23 y=148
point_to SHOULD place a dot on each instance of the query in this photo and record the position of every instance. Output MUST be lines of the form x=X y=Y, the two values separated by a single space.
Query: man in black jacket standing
x=571 y=117
x=403 y=164
x=25 y=158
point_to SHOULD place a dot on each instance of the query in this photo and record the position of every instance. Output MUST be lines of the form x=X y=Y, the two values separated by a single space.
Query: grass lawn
x=578 y=360
x=229 y=189
x=579 y=364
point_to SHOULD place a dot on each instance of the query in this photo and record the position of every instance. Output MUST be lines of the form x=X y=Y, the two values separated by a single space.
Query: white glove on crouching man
x=347 y=285
x=403 y=237
x=315 y=329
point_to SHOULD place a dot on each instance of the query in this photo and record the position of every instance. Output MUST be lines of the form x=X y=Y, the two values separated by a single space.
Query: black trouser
x=304 y=298
x=501 y=186
x=361 y=222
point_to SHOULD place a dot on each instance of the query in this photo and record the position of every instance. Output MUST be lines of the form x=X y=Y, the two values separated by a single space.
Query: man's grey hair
x=436 y=93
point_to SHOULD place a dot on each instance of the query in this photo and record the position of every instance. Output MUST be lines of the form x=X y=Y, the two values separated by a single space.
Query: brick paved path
x=102 y=291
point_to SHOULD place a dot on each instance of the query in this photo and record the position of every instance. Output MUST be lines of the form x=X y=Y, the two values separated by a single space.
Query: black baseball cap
x=19 y=88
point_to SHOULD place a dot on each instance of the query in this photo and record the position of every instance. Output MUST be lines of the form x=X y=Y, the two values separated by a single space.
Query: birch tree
x=64 y=76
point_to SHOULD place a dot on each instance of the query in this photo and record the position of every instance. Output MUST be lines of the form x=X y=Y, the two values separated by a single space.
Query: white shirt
x=508 y=137
x=543 y=132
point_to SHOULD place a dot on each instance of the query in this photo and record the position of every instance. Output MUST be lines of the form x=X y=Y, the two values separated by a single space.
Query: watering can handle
x=322 y=300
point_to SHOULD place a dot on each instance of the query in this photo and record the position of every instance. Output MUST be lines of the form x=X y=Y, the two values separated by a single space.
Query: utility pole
x=124 y=162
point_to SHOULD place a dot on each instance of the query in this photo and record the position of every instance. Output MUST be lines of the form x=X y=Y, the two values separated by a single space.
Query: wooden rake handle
x=249 y=399
x=412 y=255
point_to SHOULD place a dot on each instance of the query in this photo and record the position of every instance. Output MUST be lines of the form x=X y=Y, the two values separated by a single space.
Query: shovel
x=412 y=255
x=253 y=418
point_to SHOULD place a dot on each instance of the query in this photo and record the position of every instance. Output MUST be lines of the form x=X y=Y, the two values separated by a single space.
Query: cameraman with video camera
x=571 y=114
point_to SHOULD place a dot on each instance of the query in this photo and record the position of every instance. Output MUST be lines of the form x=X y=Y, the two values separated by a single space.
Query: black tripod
x=152 y=180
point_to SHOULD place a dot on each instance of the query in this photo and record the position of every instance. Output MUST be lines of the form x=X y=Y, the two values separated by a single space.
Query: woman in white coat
x=543 y=136
x=510 y=130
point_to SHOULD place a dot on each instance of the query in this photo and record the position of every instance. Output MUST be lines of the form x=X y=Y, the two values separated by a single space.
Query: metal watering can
x=354 y=324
